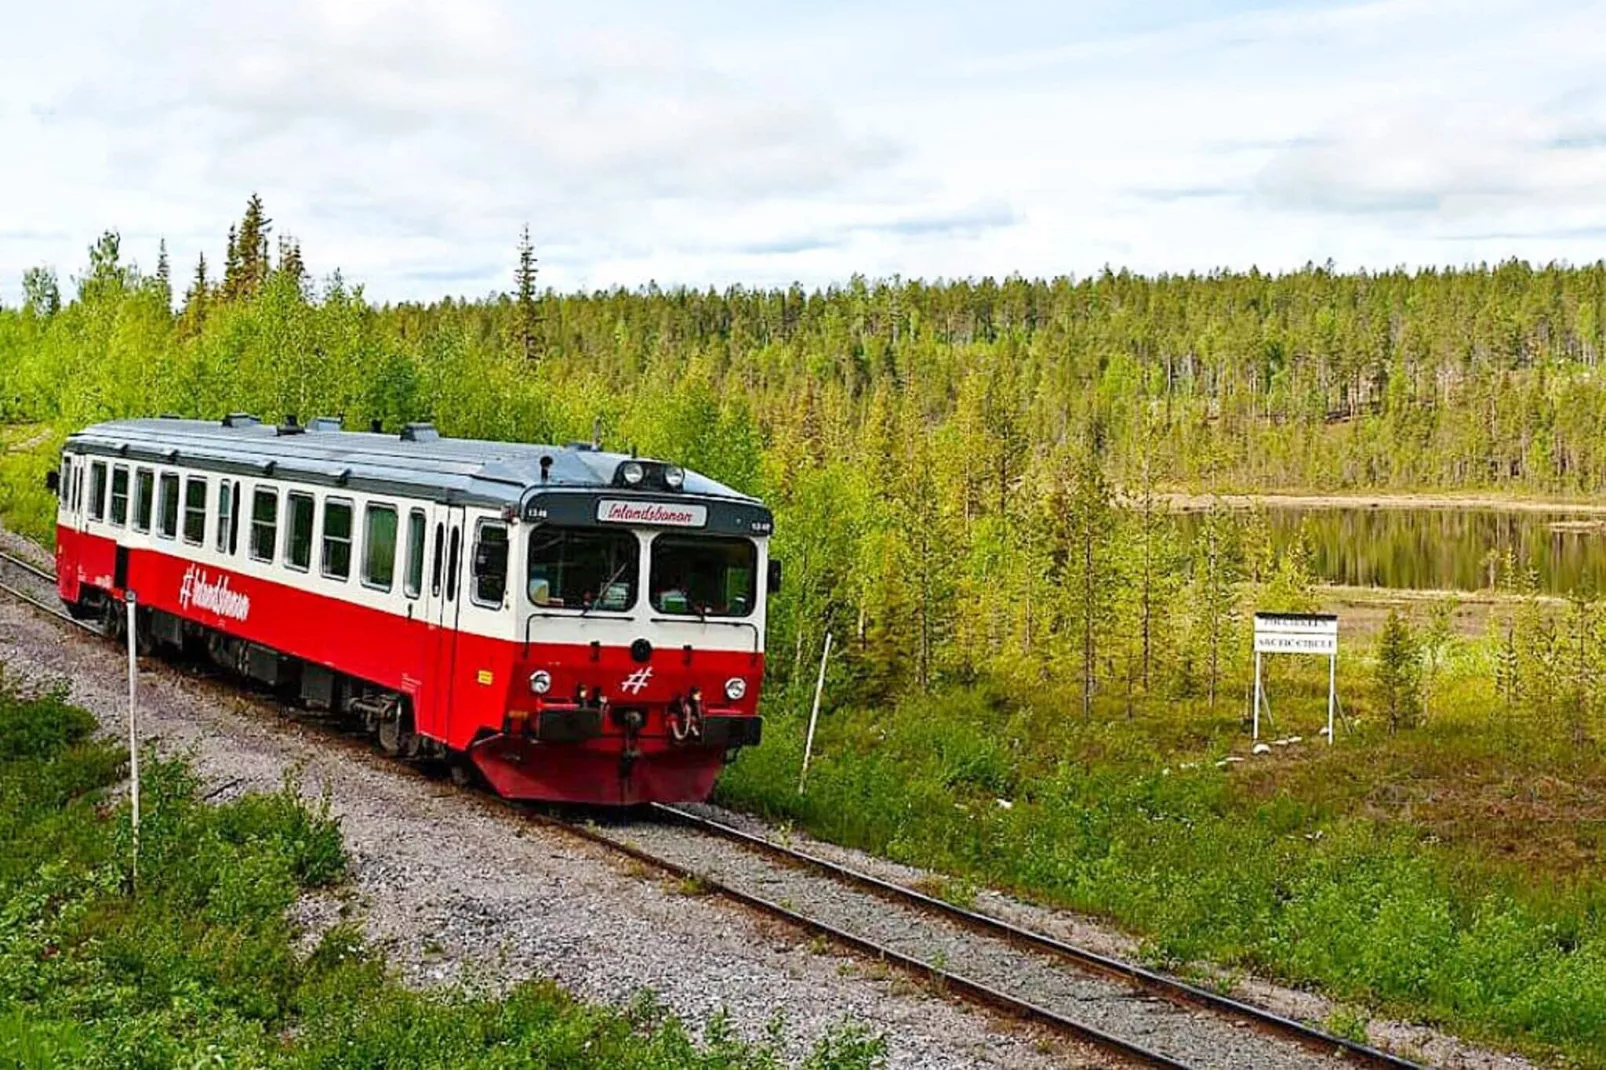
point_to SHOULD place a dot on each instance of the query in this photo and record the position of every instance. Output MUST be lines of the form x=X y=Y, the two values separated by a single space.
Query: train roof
x=416 y=462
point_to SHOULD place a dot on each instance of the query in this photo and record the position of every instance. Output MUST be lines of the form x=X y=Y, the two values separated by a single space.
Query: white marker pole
x=133 y=734
x=1332 y=692
x=814 y=717
x=1256 y=736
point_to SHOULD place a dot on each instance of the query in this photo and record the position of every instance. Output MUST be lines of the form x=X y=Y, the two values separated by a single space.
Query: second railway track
x=1138 y=1015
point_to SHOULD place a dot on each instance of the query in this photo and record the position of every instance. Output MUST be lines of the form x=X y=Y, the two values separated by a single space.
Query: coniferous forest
x=1038 y=672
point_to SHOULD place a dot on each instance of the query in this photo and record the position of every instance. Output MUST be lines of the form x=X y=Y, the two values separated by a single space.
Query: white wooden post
x=814 y=716
x=1256 y=735
x=133 y=732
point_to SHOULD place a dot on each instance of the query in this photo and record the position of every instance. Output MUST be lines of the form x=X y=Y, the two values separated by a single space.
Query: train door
x=442 y=594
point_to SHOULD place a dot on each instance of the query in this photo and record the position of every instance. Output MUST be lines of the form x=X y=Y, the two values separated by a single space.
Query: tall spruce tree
x=525 y=315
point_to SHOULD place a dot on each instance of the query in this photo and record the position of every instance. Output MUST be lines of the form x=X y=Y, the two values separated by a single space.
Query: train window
x=379 y=546
x=225 y=514
x=97 y=491
x=78 y=487
x=453 y=558
x=144 y=498
x=336 y=560
x=576 y=568
x=120 y=495
x=234 y=522
x=298 y=554
x=413 y=581
x=490 y=563
x=167 y=506
x=704 y=576
x=264 y=523
x=64 y=488
x=195 y=510
x=435 y=571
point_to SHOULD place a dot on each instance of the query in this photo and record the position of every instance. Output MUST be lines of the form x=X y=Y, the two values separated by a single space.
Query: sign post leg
x=133 y=734
x=814 y=716
x=1332 y=693
x=1256 y=736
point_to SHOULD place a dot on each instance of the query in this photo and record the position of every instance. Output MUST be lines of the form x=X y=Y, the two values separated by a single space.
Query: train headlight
x=540 y=682
x=735 y=688
x=674 y=477
x=631 y=472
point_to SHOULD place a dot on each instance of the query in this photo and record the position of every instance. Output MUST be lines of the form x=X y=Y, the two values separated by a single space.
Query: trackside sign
x=1296 y=633
x=656 y=514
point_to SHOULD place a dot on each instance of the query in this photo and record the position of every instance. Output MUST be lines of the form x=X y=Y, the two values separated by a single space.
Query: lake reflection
x=1443 y=548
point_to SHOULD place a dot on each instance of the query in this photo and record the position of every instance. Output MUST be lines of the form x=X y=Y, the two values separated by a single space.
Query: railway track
x=1137 y=1015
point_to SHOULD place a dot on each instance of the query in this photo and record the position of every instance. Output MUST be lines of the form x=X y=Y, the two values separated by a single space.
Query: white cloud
x=406 y=141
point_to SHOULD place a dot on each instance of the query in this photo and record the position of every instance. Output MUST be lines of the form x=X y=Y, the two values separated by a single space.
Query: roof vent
x=419 y=433
x=290 y=427
x=324 y=423
x=581 y=447
x=240 y=419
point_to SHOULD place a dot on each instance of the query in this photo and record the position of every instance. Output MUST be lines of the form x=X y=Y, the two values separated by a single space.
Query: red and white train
x=582 y=626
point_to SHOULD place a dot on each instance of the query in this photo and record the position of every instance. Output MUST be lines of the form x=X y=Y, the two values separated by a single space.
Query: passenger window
x=120 y=495
x=195 y=510
x=435 y=571
x=379 y=546
x=490 y=564
x=264 y=523
x=65 y=487
x=452 y=559
x=144 y=498
x=234 y=522
x=97 y=491
x=225 y=515
x=413 y=582
x=167 y=506
x=298 y=555
x=336 y=539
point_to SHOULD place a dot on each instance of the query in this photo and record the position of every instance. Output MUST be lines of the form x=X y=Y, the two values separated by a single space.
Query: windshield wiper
x=601 y=593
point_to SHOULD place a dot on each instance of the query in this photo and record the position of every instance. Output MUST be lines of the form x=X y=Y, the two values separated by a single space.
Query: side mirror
x=774 y=584
x=53 y=481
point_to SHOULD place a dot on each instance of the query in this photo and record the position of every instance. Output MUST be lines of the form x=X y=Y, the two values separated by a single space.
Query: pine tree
x=1090 y=569
x=193 y=315
x=1398 y=672
x=41 y=294
x=164 y=276
x=247 y=266
x=525 y=314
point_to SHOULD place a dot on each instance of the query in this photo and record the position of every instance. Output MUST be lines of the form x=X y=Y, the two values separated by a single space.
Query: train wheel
x=396 y=735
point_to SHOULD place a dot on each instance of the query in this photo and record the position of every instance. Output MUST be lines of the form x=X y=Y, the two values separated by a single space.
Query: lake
x=1442 y=548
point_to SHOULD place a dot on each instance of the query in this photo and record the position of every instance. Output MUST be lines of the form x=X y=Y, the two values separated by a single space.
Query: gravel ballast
x=455 y=887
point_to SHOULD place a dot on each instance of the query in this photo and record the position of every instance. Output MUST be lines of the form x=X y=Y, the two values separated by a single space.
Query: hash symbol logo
x=636 y=682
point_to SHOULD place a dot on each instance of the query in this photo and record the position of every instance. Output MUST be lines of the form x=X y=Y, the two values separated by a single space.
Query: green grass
x=197 y=966
x=1380 y=870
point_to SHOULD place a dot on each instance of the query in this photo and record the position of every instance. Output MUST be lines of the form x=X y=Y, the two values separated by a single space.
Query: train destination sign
x=660 y=514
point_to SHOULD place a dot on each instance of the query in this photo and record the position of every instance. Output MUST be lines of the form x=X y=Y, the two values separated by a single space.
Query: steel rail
x=1151 y=982
x=13 y=561
x=941 y=979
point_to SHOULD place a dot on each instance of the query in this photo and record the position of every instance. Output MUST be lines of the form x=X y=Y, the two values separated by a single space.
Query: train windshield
x=576 y=568
x=703 y=576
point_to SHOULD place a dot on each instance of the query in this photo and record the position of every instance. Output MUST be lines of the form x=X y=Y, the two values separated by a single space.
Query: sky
x=406 y=142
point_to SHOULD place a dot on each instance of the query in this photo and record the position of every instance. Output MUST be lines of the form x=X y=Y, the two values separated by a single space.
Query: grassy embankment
x=1447 y=874
x=200 y=966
